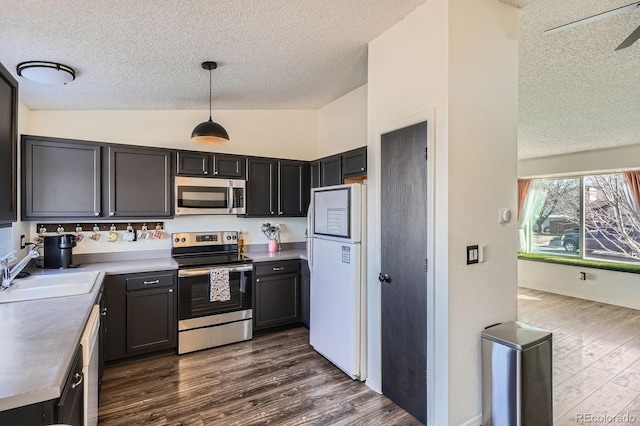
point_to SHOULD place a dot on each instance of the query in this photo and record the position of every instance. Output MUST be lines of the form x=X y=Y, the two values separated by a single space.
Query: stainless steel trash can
x=516 y=376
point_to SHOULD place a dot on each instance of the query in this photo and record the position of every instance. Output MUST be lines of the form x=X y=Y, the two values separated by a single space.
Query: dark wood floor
x=274 y=379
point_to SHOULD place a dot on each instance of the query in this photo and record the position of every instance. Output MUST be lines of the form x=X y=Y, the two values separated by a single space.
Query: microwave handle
x=231 y=198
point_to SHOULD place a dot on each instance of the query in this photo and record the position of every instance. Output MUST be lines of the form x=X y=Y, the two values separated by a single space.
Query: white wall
x=483 y=116
x=616 y=288
x=455 y=60
x=342 y=124
x=270 y=133
x=408 y=79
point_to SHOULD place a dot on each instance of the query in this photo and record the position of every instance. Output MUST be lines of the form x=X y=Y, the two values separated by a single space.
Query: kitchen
x=335 y=125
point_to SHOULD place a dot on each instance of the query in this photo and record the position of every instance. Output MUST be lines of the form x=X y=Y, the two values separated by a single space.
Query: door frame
x=437 y=368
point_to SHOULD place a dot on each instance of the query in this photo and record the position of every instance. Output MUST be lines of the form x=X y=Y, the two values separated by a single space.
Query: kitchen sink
x=48 y=286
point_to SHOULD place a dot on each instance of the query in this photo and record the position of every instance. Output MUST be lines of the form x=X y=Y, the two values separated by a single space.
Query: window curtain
x=523 y=191
x=633 y=185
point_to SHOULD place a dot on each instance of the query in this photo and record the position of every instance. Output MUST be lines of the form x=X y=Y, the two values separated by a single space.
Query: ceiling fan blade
x=633 y=37
x=616 y=11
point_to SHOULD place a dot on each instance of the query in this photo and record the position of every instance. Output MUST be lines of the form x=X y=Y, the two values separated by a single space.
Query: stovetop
x=189 y=261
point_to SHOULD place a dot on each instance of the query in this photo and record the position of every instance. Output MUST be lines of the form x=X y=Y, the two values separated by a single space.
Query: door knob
x=384 y=278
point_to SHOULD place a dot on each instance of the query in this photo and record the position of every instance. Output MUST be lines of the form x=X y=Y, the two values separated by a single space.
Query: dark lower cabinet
x=141 y=314
x=276 y=294
x=66 y=410
x=70 y=406
x=305 y=294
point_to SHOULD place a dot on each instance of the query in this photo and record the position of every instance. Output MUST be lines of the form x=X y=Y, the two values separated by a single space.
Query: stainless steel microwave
x=209 y=196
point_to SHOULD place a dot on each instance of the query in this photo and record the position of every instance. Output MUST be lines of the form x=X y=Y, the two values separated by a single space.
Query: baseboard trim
x=476 y=421
x=373 y=386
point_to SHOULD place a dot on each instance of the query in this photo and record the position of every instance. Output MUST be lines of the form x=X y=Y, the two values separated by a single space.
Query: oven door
x=209 y=196
x=194 y=286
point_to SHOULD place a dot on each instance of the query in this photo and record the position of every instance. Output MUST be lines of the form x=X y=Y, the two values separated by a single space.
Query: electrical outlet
x=23 y=242
x=583 y=276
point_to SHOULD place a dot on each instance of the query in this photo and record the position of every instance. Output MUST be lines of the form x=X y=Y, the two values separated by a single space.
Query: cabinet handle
x=170 y=290
x=112 y=214
x=215 y=173
x=96 y=214
x=271 y=212
x=280 y=212
x=104 y=312
x=362 y=169
x=278 y=268
x=80 y=378
x=257 y=280
x=206 y=172
x=151 y=282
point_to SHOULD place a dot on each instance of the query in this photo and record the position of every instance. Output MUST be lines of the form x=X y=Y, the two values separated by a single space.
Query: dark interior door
x=404 y=251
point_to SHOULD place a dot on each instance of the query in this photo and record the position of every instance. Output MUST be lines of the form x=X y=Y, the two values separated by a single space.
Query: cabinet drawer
x=150 y=281
x=271 y=268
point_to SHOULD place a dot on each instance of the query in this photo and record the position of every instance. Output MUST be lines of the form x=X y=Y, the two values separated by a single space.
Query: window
x=591 y=217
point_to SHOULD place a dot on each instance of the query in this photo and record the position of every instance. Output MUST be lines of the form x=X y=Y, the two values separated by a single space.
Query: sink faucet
x=8 y=273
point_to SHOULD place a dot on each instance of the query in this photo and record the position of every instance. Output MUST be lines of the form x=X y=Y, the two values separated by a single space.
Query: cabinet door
x=315 y=174
x=305 y=294
x=115 y=298
x=8 y=146
x=293 y=188
x=139 y=182
x=261 y=187
x=276 y=300
x=354 y=163
x=229 y=166
x=193 y=163
x=151 y=319
x=331 y=171
x=61 y=178
x=70 y=407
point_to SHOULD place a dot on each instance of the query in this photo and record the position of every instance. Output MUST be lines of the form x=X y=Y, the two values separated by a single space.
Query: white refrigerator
x=336 y=250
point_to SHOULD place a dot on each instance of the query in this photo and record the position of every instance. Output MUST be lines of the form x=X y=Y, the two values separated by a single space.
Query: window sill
x=595 y=264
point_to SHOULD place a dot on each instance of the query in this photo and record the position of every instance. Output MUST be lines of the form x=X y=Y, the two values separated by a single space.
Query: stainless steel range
x=203 y=323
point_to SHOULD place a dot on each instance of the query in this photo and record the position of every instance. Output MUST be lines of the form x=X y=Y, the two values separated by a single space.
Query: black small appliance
x=58 y=251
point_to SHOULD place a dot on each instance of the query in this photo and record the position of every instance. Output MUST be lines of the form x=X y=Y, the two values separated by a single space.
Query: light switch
x=472 y=255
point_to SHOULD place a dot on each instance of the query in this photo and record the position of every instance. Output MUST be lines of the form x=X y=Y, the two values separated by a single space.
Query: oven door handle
x=183 y=273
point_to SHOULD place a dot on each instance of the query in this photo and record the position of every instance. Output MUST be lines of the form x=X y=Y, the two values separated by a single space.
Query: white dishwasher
x=90 y=359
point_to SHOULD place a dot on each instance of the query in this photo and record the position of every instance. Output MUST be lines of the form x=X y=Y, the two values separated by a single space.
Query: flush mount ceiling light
x=46 y=72
x=209 y=132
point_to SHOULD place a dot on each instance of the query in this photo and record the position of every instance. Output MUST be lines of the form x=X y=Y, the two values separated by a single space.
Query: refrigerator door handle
x=310 y=233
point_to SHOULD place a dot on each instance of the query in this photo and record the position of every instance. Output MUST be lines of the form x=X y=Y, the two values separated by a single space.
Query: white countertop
x=38 y=338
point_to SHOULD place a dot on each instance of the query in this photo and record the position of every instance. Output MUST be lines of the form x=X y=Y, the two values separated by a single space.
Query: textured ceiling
x=146 y=54
x=576 y=93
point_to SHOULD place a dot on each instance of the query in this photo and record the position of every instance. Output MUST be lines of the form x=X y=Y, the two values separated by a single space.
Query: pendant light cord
x=210 y=94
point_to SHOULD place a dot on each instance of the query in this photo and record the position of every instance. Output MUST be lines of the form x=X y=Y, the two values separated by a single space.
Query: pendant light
x=210 y=132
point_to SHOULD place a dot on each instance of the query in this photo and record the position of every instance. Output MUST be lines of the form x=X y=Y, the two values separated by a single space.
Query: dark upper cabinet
x=331 y=170
x=315 y=174
x=293 y=187
x=8 y=146
x=229 y=166
x=261 y=187
x=277 y=187
x=354 y=163
x=191 y=163
x=61 y=178
x=139 y=182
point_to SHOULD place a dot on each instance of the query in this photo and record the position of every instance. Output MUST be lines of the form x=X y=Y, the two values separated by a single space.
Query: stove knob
x=183 y=240
x=177 y=240
x=235 y=238
x=228 y=237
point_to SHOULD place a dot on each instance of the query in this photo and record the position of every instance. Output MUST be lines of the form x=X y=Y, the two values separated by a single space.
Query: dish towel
x=219 y=285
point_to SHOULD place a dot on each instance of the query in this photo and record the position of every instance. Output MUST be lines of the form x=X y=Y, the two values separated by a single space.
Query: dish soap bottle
x=240 y=242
